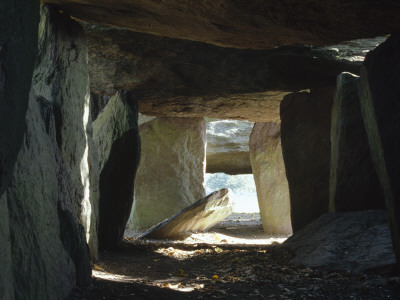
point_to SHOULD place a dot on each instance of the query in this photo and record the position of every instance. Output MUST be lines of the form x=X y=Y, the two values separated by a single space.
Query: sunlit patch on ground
x=233 y=260
x=102 y=274
x=237 y=229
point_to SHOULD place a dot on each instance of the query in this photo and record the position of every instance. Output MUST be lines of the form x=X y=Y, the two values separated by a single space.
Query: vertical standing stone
x=61 y=77
x=42 y=267
x=380 y=106
x=270 y=178
x=172 y=168
x=19 y=21
x=305 y=133
x=49 y=250
x=116 y=134
x=354 y=184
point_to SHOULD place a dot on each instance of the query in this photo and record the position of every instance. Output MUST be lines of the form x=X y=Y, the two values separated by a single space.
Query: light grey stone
x=270 y=178
x=171 y=171
x=199 y=216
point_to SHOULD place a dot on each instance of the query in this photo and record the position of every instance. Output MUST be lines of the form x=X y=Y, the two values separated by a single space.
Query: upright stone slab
x=353 y=183
x=42 y=267
x=62 y=78
x=305 y=133
x=380 y=106
x=270 y=178
x=19 y=21
x=116 y=135
x=172 y=168
x=49 y=250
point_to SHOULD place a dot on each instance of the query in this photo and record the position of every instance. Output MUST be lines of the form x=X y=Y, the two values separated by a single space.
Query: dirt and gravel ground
x=234 y=260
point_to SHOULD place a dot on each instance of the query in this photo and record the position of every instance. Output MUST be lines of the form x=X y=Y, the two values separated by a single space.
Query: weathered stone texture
x=48 y=245
x=61 y=77
x=270 y=178
x=305 y=134
x=116 y=134
x=172 y=168
x=42 y=267
x=175 y=78
x=351 y=241
x=19 y=21
x=228 y=147
x=199 y=216
x=380 y=106
x=353 y=183
x=244 y=24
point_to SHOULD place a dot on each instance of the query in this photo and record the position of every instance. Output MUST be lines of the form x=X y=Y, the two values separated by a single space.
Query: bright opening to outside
x=243 y=187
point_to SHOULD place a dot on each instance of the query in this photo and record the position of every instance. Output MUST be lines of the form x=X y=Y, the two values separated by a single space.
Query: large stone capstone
x=199 y=216
x=116 y=134
x=175 y=78
x=228 y=147
x=306 y=146
x=353 y=183
x=243 y=24
x=171 y=171
x=270 y=178
x=380 y=98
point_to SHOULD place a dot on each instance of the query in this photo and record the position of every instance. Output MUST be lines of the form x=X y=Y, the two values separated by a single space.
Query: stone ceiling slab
x=244 y=24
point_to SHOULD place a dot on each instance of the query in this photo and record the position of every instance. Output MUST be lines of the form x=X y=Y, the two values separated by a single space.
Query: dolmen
x=199 y=216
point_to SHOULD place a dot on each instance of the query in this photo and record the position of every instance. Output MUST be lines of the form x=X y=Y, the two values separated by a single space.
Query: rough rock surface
x=42 y=267
x=171 y=171
x=48 y=245
x=240 y=24
x=199 y=216
x=270 y=178
x=177 y=78
x=116 y=135
x=353 y=183
x=19 y=21
x=352 y=241
x=380 y=98
x=306 y=145
x=61 y=78
x=228 y=147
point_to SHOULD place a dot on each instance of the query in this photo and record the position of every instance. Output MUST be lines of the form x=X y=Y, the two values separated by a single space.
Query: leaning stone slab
x=199 y=216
